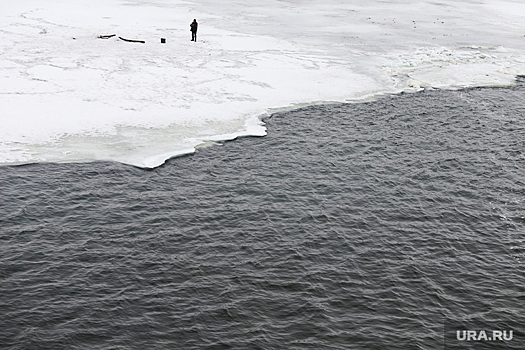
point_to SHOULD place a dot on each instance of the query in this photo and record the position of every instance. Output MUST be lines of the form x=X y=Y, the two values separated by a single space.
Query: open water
x=349 y=226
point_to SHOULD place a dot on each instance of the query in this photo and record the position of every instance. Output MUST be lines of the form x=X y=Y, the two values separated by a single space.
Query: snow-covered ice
x=68 y=96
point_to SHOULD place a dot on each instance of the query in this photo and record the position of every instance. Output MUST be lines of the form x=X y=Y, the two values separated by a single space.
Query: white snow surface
x=67 y=95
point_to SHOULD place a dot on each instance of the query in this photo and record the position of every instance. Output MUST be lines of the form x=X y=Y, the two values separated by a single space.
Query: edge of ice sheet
x=67 y=96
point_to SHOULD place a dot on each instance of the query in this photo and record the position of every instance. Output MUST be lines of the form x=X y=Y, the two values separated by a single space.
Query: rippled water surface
x=355 y=226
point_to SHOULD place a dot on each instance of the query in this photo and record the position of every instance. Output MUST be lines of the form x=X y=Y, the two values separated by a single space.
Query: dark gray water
x=356 y=226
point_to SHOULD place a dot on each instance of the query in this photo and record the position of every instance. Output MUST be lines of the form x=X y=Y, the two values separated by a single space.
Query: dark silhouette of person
x=193 y=29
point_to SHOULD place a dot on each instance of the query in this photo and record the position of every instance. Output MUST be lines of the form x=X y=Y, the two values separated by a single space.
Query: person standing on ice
x=193 y=28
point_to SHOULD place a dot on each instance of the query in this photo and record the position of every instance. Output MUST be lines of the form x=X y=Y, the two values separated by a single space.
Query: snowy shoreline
x=69 y=96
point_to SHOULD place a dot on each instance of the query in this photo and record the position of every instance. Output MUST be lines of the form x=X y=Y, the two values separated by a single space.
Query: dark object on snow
x=193 y=28
x=106 y=36
x=163 y=40
x=132 y=41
